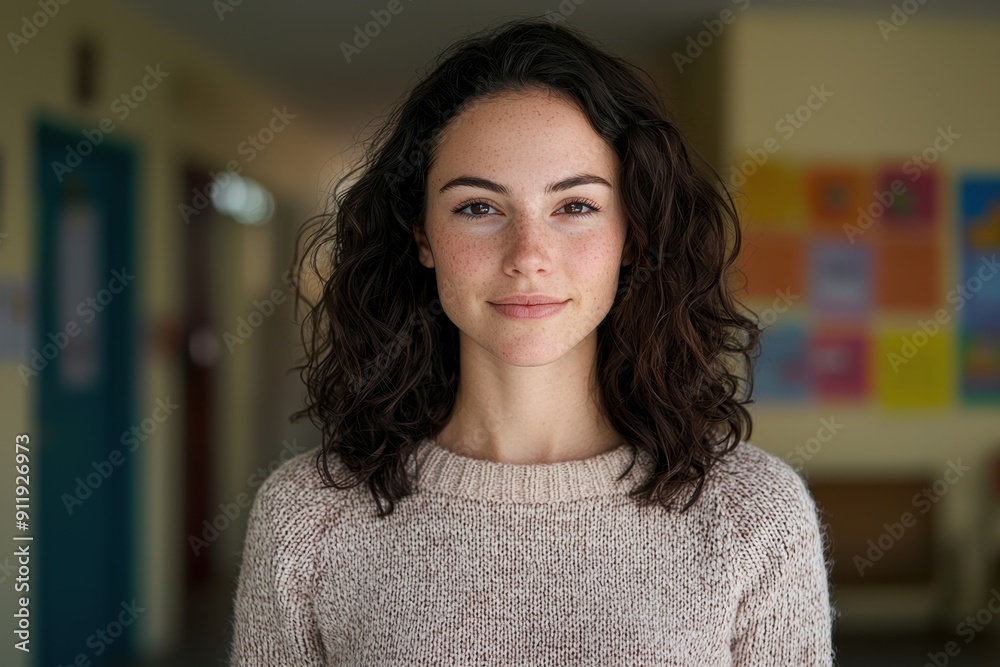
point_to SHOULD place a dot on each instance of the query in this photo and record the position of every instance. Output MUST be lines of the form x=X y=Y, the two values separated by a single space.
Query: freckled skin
x=526 y=383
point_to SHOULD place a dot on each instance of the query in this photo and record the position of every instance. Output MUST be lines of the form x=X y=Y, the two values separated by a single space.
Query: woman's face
x=544 y=189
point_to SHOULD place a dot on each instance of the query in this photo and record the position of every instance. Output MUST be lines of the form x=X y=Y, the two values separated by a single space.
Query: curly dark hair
x=381 y=362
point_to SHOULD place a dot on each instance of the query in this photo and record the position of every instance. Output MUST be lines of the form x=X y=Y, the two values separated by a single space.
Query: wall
x=890 y=96
x=203 y=109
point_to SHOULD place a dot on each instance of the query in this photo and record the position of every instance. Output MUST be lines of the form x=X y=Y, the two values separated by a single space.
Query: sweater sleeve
x=784 y=616
x=274 y=623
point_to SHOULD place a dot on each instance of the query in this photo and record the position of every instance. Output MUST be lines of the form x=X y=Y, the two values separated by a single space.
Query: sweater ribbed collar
x=442 y=470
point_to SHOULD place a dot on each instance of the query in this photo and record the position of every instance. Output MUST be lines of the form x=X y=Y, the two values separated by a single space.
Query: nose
x=529 y=246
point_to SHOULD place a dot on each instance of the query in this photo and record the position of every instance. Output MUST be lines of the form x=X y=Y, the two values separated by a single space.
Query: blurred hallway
x=184 y=144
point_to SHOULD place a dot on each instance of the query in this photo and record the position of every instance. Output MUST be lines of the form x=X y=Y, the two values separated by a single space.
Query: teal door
x=83 y=384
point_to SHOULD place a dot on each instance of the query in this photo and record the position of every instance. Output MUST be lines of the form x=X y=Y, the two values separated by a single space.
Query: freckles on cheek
x=463 y=266
x=465 y=257
x=596 y=257
x=597 y=267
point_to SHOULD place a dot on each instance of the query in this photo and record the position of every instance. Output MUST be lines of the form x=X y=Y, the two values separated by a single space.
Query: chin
x=530 y=351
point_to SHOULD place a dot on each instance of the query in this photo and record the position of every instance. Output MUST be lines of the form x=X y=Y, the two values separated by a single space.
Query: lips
x=517 y=311
x=529 y=299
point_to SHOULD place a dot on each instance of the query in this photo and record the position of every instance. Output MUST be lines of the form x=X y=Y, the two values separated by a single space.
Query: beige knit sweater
x=545 y=564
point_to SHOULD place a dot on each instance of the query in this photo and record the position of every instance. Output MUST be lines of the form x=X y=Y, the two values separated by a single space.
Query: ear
x=424 y=253
x=627 y=255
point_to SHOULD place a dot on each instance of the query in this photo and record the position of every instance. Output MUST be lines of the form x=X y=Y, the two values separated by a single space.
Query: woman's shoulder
x=296 y=491
x=765 y=499
x=294 y=476
x=752 y=470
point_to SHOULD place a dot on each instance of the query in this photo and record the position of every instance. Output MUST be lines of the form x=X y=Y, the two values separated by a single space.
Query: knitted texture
x=545 y=564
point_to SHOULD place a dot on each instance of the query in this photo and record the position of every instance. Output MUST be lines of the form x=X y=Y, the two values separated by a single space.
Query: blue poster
x=977 y=296
x=781 y=372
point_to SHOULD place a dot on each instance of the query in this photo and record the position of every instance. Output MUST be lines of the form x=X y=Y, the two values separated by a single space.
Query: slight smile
x=517 y=311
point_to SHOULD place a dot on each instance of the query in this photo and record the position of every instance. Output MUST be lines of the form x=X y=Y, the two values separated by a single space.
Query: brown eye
x=479 y=209
x=575 y=208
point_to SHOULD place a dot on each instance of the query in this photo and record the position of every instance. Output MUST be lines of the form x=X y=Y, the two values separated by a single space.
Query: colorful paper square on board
x=908 y=274
x=781 y=370
x=773 y=196
x=840 y=279
x=979 y=367
x=905 y=200
x=774 y=264
x=977 y=296
x=979 y=198
x=834 y=193
x=914 y=369
x=839 y=364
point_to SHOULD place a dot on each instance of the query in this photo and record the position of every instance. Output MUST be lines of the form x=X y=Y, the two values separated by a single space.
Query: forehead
x=522 y=136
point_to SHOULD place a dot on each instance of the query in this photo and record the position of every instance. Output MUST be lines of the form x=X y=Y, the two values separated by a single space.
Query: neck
x=542 y=414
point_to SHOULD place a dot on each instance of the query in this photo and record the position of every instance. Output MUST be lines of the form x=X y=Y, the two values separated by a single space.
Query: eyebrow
x=486 y=184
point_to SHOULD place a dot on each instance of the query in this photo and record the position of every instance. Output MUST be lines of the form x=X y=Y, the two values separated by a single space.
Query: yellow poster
x=773 y=196
x=914 y=367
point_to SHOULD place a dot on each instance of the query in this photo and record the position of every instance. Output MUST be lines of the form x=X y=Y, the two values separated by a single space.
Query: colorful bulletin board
x=849 y=269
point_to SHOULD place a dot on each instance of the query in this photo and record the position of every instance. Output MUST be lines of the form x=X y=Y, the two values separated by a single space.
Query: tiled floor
x=210 y=615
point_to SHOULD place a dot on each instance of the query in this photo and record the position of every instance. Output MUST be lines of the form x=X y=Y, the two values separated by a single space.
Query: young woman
x=526 y=363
